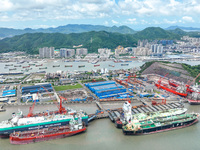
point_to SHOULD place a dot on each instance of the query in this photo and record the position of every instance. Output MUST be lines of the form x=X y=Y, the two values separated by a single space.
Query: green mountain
x=70 y=28
x=156 y=33
x=178 y=31
x=31 y=42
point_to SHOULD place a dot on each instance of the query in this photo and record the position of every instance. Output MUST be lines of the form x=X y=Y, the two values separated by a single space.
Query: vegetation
x=67 y=87
x=31 y=42
x=193 y=70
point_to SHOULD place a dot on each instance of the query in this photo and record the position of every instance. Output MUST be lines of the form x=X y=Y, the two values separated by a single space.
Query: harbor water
x=102 y=134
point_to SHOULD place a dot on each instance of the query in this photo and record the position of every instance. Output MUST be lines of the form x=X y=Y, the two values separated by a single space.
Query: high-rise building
x=66 y=52
x=81 y=51
x=46 y=52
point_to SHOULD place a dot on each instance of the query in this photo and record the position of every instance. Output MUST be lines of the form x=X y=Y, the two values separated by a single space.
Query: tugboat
x=50 y=133
x=159 y=124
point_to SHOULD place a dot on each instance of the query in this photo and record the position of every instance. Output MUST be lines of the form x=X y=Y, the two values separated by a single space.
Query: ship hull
x=118 y=124
x=193 y=102
x=27 y=140
x=173 y=84
x=161 y=128
x=5 y=132
x=170 y=90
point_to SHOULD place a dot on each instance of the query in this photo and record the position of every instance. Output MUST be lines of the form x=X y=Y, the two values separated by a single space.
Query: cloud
x=170 y=21
x=131 y=21
x=187 y=19
x=114 y=22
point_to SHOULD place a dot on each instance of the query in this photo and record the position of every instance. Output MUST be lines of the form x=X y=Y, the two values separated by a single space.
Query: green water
x=102 y=135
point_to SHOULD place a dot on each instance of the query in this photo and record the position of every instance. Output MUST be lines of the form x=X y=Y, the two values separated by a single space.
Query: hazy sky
x=136 y=14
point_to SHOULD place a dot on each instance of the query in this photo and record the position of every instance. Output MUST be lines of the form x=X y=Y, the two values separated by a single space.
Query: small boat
x=43 y=68
x=32 y=64
x=68 y=65
x=50 y=133
x=111 y=65
x=17 y=65
x=25 y=66
x=9 y=65
x=38 y=65
x=96 y=65
x=124 y=64
x=2 y=109
x=56 y=65
x=12 y=69
x=81 y=66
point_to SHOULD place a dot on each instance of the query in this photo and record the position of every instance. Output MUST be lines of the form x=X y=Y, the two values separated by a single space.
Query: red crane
x=160 y=80
x=30 y=114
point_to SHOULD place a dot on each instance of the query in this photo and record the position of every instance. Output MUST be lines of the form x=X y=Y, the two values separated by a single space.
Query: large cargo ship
x=155 y=125
x=127 y=115
x=19 y=122
x=39 y=135
x=180 y=90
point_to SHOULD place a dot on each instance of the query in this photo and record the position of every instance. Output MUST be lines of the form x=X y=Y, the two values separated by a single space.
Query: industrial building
x=9 y=93
x=40 y=88
x=107 y=89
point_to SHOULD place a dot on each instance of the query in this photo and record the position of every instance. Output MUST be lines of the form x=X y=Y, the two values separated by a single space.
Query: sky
x=137 y=14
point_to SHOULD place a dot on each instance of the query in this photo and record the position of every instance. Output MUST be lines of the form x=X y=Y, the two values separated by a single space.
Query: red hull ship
x=170 y=89
x=27 y=137
x=172 y=83
x=194 y=102
x=25 y=66
x=38 y=65
x=96 y=65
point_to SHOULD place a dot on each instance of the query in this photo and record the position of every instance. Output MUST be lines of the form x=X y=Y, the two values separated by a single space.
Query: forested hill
x=31 y=42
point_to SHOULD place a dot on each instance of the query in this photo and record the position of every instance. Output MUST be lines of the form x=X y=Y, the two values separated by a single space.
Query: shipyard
x=107 y=74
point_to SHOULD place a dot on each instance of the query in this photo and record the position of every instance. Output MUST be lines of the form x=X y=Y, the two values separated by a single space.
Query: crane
x=193 y=81
x=159 y=81
x=30 y=114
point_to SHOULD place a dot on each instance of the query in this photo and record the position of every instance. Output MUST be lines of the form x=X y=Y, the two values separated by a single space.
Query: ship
x=39 y=135
x=111 y=65
x=127 y=116
x=25 y=66
x=68 y=65
x=20 y=122
x=180 y=90
x=17 y=65
x=12 y=69
x=2 y=109
x=81 y=66
x=38 y=65
x=173 y=83
x=56 y=65
x=194 y=99
x=9 y=65
x=96 y=65
x=124 y=64
x=156 y=125
x=43 y=68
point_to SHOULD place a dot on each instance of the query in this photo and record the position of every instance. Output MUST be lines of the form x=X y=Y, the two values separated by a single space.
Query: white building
x=46 y=52
x=67 y=52
x=81 y=51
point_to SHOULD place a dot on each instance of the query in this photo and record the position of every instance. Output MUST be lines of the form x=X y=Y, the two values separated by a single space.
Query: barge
x=68 y=65
x=81 y=66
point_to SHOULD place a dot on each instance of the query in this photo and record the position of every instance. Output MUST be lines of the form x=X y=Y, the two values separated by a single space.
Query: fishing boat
x=56 y=65
x=20 y=122
x=12 y=69
x=39 y=65
x=124 y=64
x=50 y=133
x=96 y=65
x=43 y=68
x=68 y=65
x=25 y=66
x=81 y=66
x=156 y=125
